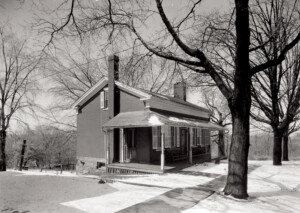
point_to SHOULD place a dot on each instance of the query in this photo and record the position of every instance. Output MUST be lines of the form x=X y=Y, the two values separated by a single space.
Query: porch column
x=191 y=145
x=106 y=142
x=121 y=145
x=162 y=156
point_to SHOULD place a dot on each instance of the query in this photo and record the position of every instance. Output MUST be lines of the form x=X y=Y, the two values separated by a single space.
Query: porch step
x=125 y=170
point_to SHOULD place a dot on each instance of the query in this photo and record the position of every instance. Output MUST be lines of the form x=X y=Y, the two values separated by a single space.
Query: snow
x=271 y=189
x=127 y=195
x=153 y=120
x=178 y=120
x=168 y=180
x=51 y=173
x=211 y=168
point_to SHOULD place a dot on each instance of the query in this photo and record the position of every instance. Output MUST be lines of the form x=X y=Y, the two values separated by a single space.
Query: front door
x=130 y=145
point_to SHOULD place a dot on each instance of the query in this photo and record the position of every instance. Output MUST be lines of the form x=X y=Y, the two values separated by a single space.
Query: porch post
x=106 y=141
x=162 y=157
x=121 y=145
x=191 y=146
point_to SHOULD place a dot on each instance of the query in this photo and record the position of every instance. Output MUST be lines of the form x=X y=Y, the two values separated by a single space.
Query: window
x=130 y=138
x=156 y=137
x=195 y=136
x=171 y=137
x=205 y=137
x=167 y=136
x=174 y=136
x=104 y=99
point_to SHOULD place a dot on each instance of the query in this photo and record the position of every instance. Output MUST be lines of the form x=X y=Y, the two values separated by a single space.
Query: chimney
x=113 y=106
x=113 y=94
x=180 y=90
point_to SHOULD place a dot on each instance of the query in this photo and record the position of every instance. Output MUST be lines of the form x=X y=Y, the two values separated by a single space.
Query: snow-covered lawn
x=271 y=189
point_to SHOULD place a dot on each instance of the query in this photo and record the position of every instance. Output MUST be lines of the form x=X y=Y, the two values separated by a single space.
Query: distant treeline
x=261 y=146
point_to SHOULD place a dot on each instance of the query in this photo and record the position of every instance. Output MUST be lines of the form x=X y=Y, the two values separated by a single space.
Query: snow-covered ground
x=271 y=189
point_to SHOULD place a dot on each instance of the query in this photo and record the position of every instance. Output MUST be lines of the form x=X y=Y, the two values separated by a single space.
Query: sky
x=22 y=16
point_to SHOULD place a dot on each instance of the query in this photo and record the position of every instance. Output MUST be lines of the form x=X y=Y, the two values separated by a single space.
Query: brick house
x=126 y=128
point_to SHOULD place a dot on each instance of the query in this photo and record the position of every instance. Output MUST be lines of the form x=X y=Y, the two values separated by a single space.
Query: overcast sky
x=21 y=16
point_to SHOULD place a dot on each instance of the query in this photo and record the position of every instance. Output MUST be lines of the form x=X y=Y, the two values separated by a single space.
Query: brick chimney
x=113 y=94
x=113 y=105
x=180 y=90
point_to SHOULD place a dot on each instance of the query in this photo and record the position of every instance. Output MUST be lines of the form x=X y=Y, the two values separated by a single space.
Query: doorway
x=129 y=145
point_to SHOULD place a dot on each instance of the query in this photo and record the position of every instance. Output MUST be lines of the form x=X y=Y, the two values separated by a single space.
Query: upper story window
x=104 y=98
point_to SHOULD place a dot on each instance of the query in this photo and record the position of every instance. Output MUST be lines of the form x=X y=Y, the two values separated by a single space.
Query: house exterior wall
x=130 y=103
x=90 y=136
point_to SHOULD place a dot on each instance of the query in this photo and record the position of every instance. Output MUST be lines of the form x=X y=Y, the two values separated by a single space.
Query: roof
x=176 y=100
x=153 y=100
x=149 y=119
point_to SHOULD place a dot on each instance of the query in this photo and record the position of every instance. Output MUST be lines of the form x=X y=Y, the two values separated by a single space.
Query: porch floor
x=152 y=168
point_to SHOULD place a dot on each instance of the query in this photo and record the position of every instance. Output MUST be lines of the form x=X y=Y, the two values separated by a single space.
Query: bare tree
x=292 y=128
x=74 y=74
x=276 y=90
x=16 y=68
x=220 y=115
x=235 y=85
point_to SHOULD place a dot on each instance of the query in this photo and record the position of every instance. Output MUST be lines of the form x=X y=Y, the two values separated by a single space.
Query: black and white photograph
x=149 y=106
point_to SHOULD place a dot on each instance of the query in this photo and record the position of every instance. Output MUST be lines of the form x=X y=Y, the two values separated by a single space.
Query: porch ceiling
x=149 y=118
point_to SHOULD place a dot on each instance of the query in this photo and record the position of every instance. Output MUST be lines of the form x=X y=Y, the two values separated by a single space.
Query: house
x=120 y=125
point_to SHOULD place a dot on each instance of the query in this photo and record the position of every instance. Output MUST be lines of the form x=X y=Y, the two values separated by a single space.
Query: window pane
x=102 y=100
x=105 y=99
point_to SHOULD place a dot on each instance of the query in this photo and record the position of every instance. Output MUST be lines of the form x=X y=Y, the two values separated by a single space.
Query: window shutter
x=178 y=137
x=207 y=139
x=102 y=99
x=173 y=136
x=202 y=137
x=154 y=138
x=194 y=137
x=198 y=136
x=168 y=136
x=158 y=137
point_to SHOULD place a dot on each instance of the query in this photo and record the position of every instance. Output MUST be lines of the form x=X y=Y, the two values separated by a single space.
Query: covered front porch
x=149 y=142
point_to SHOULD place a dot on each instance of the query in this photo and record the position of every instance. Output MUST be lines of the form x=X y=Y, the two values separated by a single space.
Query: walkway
x=178 y=199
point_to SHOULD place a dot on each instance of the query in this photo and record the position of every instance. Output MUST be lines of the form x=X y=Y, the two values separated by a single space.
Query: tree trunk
x=239 y=105
x=2 y=150
x=277 y=148
x=22 y=155
x=221 y=145
x=285 y=150
x=238 y=159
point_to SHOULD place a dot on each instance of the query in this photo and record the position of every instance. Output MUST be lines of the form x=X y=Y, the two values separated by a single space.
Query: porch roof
x=150 y=118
